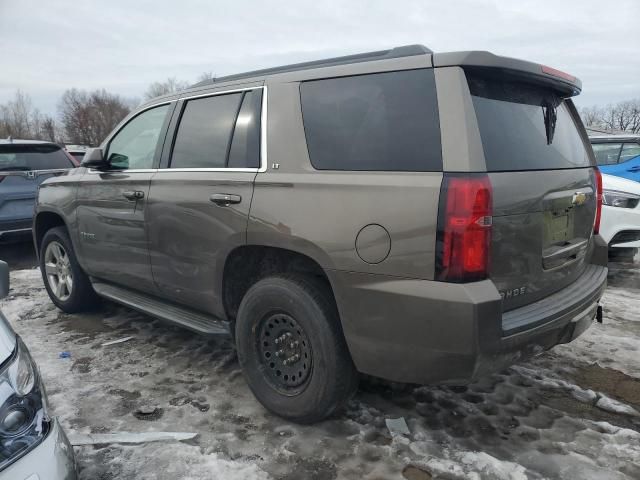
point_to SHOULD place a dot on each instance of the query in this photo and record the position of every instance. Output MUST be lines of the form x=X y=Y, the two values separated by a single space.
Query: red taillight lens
x=464 y=228
x=596 y=221
x=558 y=73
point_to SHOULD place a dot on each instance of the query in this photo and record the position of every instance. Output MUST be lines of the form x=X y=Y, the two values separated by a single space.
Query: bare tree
x=591 y=116
x=15 y=117
x=19 y=119
x=49 y=129
x=88 y=117
x=170 y=85
x=206 y=77
x=623 y=116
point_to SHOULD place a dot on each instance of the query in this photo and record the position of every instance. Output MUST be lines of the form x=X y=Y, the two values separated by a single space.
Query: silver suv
x=415 y=216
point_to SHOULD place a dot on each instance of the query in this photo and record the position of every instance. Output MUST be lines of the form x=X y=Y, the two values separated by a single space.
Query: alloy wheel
x=58 y=270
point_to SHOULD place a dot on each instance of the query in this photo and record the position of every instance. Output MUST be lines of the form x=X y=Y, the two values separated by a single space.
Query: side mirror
x=94 y=159
x=4 y=279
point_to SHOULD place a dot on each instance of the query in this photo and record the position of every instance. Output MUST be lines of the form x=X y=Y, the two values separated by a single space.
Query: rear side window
x=204 y=133
x=513 y=129
x=606 y=153
x=384 y=121
x=33 y=157
x=629 y=152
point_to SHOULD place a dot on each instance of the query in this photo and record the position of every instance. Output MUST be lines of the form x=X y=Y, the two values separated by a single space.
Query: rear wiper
x=550 y=117
x=14 y=169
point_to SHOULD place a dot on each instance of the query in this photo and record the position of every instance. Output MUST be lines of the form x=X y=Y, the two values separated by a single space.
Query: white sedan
x=620 y=222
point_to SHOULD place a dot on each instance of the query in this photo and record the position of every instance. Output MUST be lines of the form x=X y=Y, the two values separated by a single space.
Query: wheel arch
x=247 y=264
x=43 y=222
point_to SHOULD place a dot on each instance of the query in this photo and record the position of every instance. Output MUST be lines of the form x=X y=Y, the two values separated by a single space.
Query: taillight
x=464 y=228
x=2 y=177
x=557 y=73
x=596 y=221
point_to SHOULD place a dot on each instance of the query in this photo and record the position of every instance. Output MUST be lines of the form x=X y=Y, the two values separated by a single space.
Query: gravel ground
x=569 y=413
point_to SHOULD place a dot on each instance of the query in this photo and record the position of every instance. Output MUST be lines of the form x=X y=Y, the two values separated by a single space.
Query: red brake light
x=558 y=73
x=596 y=221
x=464 y=228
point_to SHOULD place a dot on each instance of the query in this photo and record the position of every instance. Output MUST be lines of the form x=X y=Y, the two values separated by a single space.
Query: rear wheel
x=291 y=348
x=67 y=285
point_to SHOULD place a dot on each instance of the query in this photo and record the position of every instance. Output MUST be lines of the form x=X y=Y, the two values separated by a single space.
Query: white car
x=620 y=222
x=33 y=445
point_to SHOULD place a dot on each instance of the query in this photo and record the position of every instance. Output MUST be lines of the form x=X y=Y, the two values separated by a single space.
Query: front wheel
x=291 y=348
x=67 y=285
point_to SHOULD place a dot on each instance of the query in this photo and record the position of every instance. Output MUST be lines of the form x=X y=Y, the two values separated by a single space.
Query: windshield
x=33 y=157
x=525 y=127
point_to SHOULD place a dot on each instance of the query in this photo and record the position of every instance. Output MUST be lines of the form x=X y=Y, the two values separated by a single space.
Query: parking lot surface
x=569 y=413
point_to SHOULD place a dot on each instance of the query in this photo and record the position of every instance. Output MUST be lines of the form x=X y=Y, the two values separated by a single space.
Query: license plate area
x=558 y=227
x=560 y=244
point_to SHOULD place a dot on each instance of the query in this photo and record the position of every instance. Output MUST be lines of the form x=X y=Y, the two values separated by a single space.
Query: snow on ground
x=570 y=413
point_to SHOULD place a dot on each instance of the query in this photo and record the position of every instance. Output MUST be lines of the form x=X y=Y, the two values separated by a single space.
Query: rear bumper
x=51 y=460
x=420 y=331
x=620 y=224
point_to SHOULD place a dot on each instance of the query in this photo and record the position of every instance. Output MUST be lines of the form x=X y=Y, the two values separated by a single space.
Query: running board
x=196 y=321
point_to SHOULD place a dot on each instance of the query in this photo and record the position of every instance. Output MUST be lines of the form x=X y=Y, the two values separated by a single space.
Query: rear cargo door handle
x=225 y=199
x=634 y=169
x=133 y=194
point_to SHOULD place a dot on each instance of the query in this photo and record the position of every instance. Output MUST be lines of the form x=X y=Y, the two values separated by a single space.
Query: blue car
x=618 y=155
x=25 y=164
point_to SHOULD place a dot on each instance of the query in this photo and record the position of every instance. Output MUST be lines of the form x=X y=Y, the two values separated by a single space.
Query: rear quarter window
x=384 y=121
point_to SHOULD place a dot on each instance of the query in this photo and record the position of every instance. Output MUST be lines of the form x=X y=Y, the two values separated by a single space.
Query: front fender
x=57 y=197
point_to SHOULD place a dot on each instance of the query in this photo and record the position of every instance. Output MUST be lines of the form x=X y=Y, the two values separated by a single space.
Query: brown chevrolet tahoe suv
x=421 y=217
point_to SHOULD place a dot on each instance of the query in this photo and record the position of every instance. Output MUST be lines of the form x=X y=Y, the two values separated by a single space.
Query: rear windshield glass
x=518 y=128
x=384 y=121
x=33 y=157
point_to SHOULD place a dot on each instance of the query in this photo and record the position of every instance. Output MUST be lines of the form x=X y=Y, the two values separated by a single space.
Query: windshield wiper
x=550 y=116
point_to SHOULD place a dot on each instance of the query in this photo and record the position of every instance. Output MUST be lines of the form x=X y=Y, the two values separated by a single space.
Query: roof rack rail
x=397 y=52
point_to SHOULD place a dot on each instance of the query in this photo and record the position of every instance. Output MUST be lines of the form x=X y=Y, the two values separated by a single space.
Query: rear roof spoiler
x=528 y=71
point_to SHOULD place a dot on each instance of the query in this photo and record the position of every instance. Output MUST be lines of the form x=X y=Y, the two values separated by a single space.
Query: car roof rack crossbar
x=397 y=52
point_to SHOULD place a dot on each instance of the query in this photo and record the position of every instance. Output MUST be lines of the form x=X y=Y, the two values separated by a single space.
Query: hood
x=619 y=184
x=7 y=339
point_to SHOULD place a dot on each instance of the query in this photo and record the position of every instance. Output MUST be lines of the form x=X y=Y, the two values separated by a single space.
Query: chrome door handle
x=225 y=199
x=133 y=195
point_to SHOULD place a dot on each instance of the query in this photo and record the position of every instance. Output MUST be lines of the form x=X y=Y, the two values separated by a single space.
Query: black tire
x=81 y=296
x=304 y=306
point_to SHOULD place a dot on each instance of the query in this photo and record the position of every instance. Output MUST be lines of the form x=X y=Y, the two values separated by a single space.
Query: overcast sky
x=123 y=45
